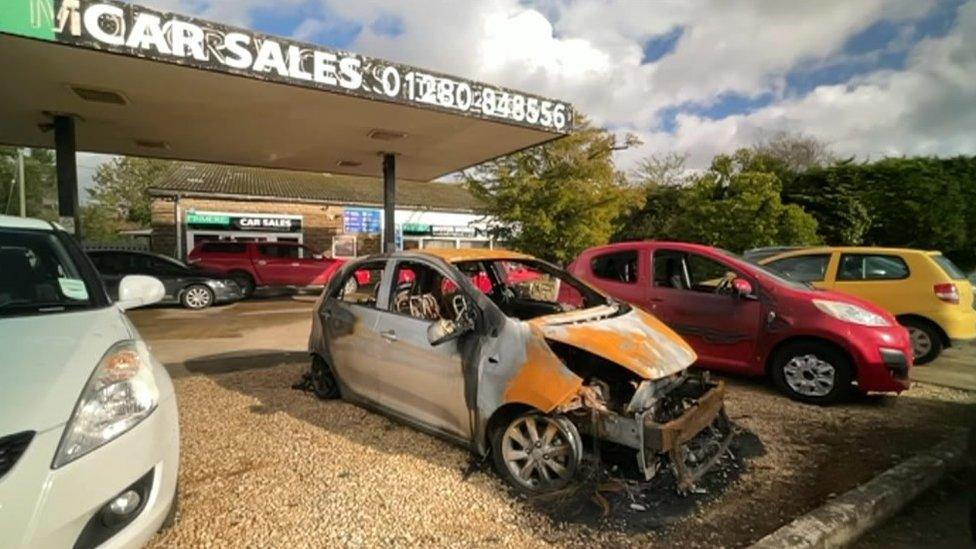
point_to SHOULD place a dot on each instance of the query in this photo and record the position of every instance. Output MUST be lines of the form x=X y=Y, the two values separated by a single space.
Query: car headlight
x=850 y=313
x=120 y=393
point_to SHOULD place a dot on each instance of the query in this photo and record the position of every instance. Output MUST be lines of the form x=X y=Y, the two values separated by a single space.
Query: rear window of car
x=224 y=247
x=872 y=267
x=616 y=266
x=949 y=267
x=802 y=268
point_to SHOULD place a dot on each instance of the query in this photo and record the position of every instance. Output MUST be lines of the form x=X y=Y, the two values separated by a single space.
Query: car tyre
x=197 y=296
x=546 y=449
x=244 y=281
x=926 y=339
x=814 y=373
x=324 y=383
x=174 y=509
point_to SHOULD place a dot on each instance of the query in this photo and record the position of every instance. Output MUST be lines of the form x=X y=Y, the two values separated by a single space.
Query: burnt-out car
x=521 y=368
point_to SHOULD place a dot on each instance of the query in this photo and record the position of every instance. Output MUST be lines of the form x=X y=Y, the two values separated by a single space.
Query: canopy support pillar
x=67 y=171
x=389 y=202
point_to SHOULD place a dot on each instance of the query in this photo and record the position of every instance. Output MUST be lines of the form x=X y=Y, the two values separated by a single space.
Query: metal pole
x=177 y=218
x=389 y=202
x=20 y=182
x=64 y=150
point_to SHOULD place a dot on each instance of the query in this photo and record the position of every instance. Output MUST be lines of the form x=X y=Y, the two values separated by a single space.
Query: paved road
x=956 y=368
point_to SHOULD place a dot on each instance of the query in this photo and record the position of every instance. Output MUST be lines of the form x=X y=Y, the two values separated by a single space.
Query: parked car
x=253 y=264
x=755 y=255
x=740 y=317
x=192 y=288
x=925 y=291
x=89 y=433
x=517 y=369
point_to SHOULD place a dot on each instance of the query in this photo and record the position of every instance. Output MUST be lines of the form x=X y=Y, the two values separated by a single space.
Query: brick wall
x=320 y=222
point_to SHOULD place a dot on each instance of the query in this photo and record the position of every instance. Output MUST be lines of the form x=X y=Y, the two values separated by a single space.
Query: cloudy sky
x=870 y=77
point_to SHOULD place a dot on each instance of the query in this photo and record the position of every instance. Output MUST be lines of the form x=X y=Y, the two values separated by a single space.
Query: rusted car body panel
x=537 y=363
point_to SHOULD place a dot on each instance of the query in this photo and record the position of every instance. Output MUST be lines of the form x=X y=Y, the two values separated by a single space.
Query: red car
x=740 y=317
x=253 y=264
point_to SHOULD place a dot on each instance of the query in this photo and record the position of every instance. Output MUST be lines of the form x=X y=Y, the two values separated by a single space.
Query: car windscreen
x=765 y=271
x=526 y=288
x=38 y=275
x=949 y=267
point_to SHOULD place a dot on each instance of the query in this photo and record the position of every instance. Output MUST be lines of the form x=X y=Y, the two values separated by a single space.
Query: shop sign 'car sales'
x=134 y=30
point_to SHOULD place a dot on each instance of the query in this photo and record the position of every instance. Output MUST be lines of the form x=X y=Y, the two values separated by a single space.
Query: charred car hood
x=635 y=340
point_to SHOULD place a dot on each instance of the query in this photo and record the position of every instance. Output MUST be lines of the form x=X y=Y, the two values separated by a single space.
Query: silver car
x=510 y=356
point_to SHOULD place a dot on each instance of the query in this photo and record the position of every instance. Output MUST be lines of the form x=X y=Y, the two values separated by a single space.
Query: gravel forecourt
x=265 y=465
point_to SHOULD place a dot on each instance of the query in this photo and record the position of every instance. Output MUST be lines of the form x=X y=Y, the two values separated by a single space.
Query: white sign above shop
x=134 y=30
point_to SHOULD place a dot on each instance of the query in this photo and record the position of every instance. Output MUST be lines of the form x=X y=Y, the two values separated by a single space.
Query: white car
x=89 y=433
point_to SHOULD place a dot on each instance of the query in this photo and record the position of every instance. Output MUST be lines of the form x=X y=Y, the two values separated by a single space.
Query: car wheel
x=926 y=340
x=537 y=453
x=351 y=286
x=244 y=281
x=815 y=373
x=174 y=509
x=197 y=296
x=324 y=383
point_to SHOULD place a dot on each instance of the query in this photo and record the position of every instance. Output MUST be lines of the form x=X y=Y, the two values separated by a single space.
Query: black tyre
x=926 y=339
x=811 y=372
x=197 y=296
x=244 y=281
x=174 y=509
x=537 y=453
x=324 y=383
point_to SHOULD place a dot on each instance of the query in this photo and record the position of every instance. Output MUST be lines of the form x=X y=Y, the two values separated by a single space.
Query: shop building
x=338 y=214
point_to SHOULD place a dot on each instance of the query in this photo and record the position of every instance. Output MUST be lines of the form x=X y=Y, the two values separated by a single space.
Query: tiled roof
x=192 y=177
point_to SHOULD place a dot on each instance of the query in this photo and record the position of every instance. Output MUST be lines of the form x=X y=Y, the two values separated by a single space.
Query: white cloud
x=590 y=52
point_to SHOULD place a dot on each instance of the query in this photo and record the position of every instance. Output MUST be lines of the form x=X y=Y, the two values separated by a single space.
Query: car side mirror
x=445 y=330
x=741 y=288
x=139 y=291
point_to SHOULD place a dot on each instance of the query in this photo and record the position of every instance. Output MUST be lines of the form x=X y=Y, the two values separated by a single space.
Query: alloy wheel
x=197 y=297
x=538 y=452
x=810 y=375
x=921 y=342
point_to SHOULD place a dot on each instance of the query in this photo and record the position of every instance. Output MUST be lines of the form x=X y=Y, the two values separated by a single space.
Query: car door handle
x=389 y=335
x=295 y=264
x=262 y=262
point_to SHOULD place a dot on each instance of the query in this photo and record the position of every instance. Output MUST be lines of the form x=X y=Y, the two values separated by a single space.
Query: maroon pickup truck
x=253 y=264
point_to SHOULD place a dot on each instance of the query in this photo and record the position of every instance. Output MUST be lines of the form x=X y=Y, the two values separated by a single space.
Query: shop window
x=440 y=243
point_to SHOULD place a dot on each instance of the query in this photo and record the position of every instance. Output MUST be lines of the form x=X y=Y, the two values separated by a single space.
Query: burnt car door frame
x=420 y=380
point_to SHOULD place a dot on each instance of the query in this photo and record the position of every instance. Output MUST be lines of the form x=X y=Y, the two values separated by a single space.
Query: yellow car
x=926 y=292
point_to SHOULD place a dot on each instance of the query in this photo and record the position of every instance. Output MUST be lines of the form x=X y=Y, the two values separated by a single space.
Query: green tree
x=735 y=207
x=555 y=200
x=660 y=179
x=120 y=188
x=831 y=196
x=40 y=183
x=118 y=200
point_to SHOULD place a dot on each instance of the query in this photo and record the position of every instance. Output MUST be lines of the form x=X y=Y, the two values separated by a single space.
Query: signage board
x=344 y=246
x=243 y=222
x=142 y=32
x=362 y=220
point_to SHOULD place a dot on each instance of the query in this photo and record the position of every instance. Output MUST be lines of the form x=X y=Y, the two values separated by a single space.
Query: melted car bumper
x=691 y=430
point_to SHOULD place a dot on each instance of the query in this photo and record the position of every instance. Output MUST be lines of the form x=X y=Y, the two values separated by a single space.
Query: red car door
x=278 y=264
x=722 y=327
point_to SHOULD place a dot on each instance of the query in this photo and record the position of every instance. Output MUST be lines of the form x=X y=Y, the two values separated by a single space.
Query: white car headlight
x=120 y=393
x=850 y=313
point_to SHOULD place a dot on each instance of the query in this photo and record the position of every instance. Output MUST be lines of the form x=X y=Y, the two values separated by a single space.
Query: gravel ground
x=267 y=466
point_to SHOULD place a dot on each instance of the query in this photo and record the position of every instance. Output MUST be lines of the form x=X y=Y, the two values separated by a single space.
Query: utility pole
x=20 y=182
